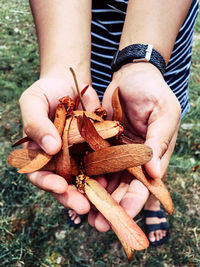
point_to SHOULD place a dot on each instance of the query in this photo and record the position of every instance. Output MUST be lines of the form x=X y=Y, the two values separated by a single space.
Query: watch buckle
x=148 y=52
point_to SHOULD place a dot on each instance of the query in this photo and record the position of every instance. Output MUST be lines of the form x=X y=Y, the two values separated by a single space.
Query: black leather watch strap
x=138 y=52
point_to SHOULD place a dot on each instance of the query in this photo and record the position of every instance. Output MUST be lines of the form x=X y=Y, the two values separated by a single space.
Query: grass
x=33 y=228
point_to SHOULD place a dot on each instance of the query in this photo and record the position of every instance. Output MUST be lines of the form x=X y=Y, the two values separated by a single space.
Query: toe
x=70 y=212
x=158 y=235
x=164 y=233
x=152 y=237
x=77 y=220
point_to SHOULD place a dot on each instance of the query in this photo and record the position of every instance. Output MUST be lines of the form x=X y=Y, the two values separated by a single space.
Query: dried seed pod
x=90 y=134
x=63 y=164
x=106 y=129
x=155 y=186
x=23 y=156
x=122 y=224
x=37 y=163
x=101 y=112
x=43 y=158
x=128 y=250
x=90 y=115
x=22 y=141
x=116 y=158
x=60 y=117
x=117 y=109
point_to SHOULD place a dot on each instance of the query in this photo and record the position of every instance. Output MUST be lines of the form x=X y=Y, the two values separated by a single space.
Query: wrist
x=62 y=72
x=138 y=70
x=138 y=52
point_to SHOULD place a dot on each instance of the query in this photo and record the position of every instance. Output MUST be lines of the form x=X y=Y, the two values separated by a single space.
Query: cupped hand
x=38 y=104
x=151 y=114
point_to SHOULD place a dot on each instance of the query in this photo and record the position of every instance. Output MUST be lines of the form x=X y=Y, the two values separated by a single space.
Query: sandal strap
x=151 y=213
x=158 y=226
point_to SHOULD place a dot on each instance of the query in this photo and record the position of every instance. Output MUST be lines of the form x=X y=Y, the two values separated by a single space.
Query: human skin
x=63 y=30
x=151 y=110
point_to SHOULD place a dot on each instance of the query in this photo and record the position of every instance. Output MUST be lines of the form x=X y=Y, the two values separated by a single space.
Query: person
x=84 y=35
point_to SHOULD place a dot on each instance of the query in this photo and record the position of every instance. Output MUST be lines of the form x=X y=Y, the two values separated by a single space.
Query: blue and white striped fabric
x=107 y=22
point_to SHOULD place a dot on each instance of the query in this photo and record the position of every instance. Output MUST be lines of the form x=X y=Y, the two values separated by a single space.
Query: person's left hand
x=151 y=115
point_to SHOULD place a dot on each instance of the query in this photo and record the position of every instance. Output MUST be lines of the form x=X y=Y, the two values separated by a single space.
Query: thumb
x=35 y=108
x=161 y=137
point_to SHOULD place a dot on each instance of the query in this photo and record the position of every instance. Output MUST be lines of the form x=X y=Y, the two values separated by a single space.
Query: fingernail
x=49 y=144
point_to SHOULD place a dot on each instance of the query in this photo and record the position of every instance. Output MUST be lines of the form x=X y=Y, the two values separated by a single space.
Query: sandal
x=71 y=221
x=153 y=227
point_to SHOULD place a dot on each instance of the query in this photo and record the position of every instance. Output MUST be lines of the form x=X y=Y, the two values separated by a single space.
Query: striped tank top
x=107 y=21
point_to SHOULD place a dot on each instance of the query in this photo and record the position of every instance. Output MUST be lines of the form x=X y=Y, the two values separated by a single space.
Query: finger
x=135 y=198
x=107 y=101
x=102 y=180
x=166 y=157
x=74 y=200
x=100 y=223
x=91 y=217
x=37 y=125
x=91 y=99
x=113 y=181
x=160 y=132
x=48 y=181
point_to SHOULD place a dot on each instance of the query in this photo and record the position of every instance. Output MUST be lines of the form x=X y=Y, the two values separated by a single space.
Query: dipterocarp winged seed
x=63 y=164
x=37 y=163
x=43 y=158
x=22 y=141
x=155 y=186
x=116 y=158
x=18 y=158
x=122 y=224
x=60 y=116
x=90 y=134
x=106 y=129
x=23 y=156
x=90 y=115
x=128 y=250
x=117 y=109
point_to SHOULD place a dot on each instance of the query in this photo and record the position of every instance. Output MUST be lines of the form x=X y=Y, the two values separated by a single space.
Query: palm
x=38 y=104
x=151 y=114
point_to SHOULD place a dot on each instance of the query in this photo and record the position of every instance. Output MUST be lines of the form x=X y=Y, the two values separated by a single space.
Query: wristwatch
x=135 y=53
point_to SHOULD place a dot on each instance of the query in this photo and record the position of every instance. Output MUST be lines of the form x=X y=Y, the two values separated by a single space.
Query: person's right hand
x=38 y=104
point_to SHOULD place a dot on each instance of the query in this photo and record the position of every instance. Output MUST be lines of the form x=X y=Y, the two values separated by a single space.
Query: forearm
x=63 y=30
x=155 y=22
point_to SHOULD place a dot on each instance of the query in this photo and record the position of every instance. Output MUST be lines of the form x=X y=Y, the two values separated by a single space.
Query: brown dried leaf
x=106 y=129
x=63 y=164
x=128 y=250
x=37 y=163
x=155 y=186
x=90 y=134
x=23 y=156
x=78 y=99
x=116 y=158
x=117 y=109
x=101 y=112
x=60 y=116
x=22 y=141
x=43 y=158
x=90 y=115
x=125 y=227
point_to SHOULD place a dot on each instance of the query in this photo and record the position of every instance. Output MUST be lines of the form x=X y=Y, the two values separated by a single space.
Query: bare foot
x=75 y=219
x=157 y=232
